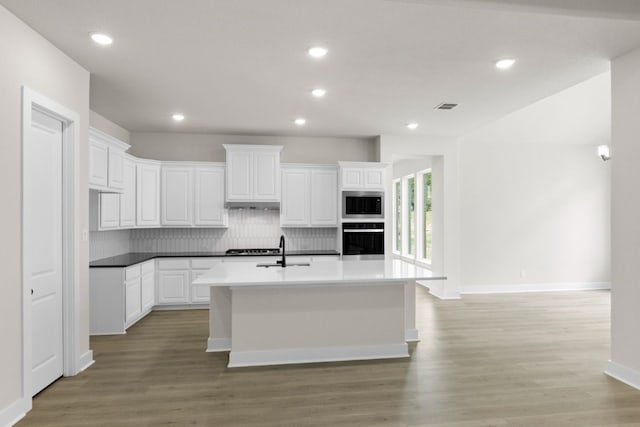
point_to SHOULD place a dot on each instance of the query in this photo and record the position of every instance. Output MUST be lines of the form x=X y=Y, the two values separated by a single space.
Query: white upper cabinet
x=209 y=197
x=294 y=208
x=309 y=196
x=352 y=177
x=116 y=163
x=128 y=196
x=374 y=178
x=109 y=210
x=239 y=175
x=98 y=164
x=253 y=173
x=106 y=161
x=147 y=193
x=193 y=195
x=266 y=177
x=362 y=175
x=324 y=197
x=177 y=195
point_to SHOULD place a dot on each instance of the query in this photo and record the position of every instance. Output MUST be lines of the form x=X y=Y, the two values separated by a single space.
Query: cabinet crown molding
x=308 y=165
x=99 y=135
x=344 y=164
x=251 y=147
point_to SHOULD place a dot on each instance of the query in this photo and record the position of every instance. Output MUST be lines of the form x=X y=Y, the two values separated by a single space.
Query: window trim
x=394 y=248
x=406 y=238
x=420 y=219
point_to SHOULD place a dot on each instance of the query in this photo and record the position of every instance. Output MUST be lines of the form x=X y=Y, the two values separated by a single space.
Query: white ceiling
x=240 y=66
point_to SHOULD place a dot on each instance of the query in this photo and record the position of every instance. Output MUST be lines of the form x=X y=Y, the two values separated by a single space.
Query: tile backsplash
x=247 y=229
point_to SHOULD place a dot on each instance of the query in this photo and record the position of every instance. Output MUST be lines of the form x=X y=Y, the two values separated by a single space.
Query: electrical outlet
x=85 y=235
x=523 y=274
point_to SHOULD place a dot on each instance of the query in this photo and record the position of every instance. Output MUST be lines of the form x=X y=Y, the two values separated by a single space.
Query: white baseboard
x=93 y=334
x=534 y=287
x=218 y=344
x=317 y=354
x=13 y=413
x=411 y=335
x=622 y=373
x=439 y=289
x=85 y=361
x=203 y=306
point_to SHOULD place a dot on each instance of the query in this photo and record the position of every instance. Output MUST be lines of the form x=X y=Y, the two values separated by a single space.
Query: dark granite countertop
x=131 y=258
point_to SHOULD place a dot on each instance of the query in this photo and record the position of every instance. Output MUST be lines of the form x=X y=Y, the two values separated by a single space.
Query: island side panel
x=411 y=332
x=219 y=319
x=280 y=325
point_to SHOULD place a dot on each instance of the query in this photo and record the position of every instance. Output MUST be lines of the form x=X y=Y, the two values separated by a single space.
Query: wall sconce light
x=603 y=152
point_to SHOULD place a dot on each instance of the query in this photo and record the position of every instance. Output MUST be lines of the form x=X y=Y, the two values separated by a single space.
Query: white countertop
x=239 y=274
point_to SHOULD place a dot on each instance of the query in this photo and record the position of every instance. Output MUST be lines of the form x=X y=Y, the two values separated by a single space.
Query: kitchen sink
x=289 y=264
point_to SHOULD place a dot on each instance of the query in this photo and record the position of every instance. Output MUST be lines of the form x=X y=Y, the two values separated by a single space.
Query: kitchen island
x=325 y=311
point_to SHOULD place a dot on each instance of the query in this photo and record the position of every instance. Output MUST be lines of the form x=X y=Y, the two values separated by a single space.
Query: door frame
x=70 y=239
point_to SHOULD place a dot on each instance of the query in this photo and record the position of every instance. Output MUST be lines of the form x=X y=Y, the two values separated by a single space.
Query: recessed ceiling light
x=318 y=51
x=102 y=39
x=178 y=117
x=318 y=93
x=412 y=126
x=300 y=121
x=505 y=64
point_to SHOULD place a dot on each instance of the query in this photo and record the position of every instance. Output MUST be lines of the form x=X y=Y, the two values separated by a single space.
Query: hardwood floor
x=487 y=360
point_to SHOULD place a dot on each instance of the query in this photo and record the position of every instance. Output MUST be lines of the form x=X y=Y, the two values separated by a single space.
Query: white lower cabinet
x=199 y=294
x=199 y=266
x=174 y=280
x=133 y=306
x=147 y=285
x=119 y=297
x=173 y=286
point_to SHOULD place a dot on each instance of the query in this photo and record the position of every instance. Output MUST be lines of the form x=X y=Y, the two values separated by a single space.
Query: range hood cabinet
x=252 y=176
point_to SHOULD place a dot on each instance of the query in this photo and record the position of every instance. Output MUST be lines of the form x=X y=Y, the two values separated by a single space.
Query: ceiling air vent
x=446 y=106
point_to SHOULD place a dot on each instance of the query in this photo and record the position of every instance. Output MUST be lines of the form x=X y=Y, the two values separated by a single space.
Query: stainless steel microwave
x=362 y=204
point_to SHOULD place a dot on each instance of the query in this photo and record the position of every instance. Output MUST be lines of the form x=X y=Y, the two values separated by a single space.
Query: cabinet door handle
x=31 y=291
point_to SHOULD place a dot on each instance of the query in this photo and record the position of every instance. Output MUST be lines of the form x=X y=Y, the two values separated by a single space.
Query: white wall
x=107 y=126
x=524 y=210
x=580 y=114
x=208 y=147
x=104 y=244
x=28 y=59
x=535 y=197
x=405 y=167
x=625 y=161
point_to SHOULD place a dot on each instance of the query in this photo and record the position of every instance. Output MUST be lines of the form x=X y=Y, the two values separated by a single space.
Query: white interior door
x=43 y=241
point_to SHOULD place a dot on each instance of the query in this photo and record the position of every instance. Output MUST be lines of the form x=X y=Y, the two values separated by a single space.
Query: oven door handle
x=366 y=230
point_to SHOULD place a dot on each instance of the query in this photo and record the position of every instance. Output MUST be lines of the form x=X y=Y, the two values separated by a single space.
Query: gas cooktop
x=267 y=251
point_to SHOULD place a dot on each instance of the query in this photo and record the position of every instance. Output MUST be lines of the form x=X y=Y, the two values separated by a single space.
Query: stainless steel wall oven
x=364 y=240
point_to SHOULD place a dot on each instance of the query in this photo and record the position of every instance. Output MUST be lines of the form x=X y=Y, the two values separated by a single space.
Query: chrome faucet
x=283 y=261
